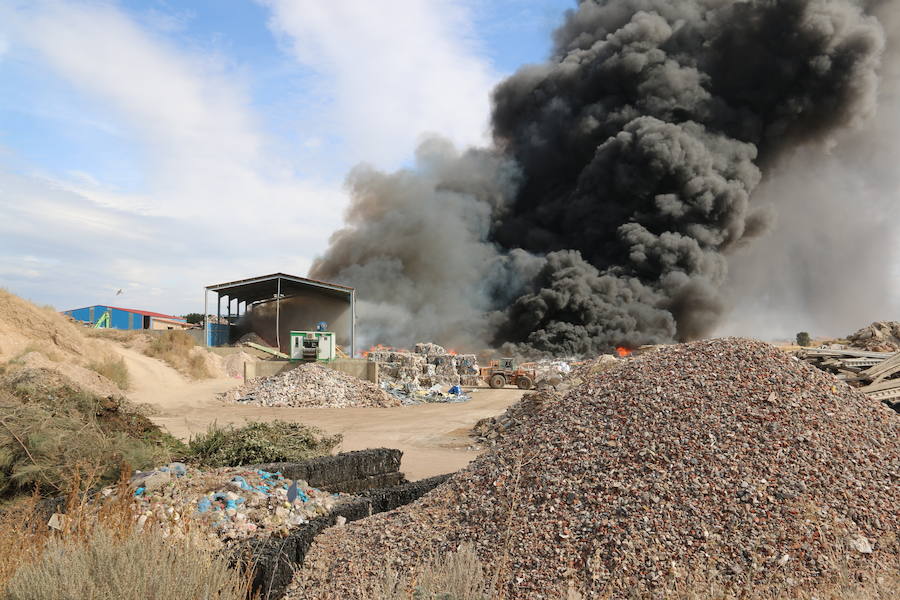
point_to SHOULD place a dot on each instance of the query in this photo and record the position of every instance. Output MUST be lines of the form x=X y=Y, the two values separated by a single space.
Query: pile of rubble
x=876 y=374
x=411 y=394
x=717 y=465
x=882 y=336
x=490 y=430
x=230 y=503
x=312 y=385
x=428 y=365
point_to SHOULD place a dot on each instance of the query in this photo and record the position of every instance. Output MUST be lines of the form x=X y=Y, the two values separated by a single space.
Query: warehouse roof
x=145 y=313
x=266 y=287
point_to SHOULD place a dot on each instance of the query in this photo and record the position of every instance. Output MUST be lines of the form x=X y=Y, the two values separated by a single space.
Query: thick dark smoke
x=620 y=180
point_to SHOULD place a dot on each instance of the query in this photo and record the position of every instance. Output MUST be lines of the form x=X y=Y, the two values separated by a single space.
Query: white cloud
x=395 y=70
x=217 y=206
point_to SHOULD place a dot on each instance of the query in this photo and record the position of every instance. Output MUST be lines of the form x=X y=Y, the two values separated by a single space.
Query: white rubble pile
x=312 y=386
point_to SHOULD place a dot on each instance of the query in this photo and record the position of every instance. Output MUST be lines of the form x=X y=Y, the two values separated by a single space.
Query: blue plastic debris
x=241 y=482
x=456 y=390
x=140 y=491
x=204 y=505
x=292 y=492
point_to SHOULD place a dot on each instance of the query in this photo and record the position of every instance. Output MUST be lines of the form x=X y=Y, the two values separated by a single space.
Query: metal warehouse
x=125 y=318
x=272 y=306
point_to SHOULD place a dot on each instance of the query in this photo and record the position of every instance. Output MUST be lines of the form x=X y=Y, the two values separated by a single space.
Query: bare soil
x=433 y=437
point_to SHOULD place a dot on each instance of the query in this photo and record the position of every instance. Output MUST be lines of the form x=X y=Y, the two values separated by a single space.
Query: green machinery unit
x=104 y=321
x=313 y=346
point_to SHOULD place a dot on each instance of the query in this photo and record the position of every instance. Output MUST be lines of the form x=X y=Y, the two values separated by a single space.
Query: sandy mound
x=84 y=378
x=312 y=386
x=721 y=463
x=23 y=324
x=233 y=364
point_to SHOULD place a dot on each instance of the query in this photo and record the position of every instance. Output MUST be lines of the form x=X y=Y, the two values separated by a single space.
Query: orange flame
x=623 y=352
x=452 y=352
x=381 y=348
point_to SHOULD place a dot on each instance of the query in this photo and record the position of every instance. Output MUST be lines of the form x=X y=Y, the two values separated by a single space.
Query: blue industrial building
x=125 y=318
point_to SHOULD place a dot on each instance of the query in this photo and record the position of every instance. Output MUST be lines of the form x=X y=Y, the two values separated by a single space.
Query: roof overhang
x=266 y=287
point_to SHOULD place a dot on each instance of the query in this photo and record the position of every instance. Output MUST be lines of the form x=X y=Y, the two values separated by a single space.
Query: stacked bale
x=428 y=365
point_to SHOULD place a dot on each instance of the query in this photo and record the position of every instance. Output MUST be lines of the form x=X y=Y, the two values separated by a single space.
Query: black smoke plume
x=620 y=179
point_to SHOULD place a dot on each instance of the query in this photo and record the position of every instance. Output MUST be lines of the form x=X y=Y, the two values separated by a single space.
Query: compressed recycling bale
x=334 y=473
x=429 y=348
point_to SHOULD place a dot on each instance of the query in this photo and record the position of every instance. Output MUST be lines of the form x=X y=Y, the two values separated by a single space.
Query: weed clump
x=96 y=548
x=142 y=565
x=48 y=425
x=114 y=370
x=254 y=443
x=457 y=575
x=175 y=348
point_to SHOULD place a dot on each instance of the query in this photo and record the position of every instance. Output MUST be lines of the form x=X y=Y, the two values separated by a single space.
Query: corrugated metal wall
x=119 y=319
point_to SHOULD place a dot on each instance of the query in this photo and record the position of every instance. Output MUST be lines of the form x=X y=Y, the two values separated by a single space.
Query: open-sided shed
x=282 y=303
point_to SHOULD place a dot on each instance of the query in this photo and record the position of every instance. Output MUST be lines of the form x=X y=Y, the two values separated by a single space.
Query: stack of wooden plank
x=874 y=373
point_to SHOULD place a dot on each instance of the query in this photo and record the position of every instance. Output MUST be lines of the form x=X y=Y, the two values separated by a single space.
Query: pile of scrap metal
x=877 y=374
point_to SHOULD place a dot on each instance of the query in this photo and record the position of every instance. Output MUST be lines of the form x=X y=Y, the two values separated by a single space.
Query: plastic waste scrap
x=234 y=503
x=411 y=394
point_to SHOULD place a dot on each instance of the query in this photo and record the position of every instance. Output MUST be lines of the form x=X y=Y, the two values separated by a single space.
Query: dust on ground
x=433 y=437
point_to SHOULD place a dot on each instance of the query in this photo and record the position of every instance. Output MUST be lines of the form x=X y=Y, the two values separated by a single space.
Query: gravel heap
x=312 y=385
x=490 y=430
x=222 y=505
x=882 y=336
x=717 y=463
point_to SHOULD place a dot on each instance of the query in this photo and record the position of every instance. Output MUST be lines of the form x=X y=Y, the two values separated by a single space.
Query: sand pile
x=233 y=364
x=24 y=325
x=312 y=386
x=720 y=463
x=81 y=377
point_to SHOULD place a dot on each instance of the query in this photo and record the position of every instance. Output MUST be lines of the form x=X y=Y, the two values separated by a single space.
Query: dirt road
x=433 y=437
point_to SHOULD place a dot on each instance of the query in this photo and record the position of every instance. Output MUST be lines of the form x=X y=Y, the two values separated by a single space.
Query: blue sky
x=156 y=146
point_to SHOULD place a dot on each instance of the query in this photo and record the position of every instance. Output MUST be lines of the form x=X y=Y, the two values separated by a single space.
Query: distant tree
x=193 y=318
x=803 y=339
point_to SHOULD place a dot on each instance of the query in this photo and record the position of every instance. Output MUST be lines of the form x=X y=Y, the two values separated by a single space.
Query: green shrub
x=40 y=449
x=49 y=428
x=114 y=370
x=803 y=339
x=254 y=443
x=141 y=565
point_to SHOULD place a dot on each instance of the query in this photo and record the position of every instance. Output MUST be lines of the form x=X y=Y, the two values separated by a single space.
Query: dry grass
x=98 y=552
x=48 y=426
x=122 y=336
x=256 y=443
x=43 y=348
x=113 y=369
x=176 y=348
x=142 y=565
x=25 y=533
x=454 y=576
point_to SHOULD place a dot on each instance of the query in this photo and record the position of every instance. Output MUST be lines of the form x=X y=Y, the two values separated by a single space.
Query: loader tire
x=497 y=381
x=524 y=382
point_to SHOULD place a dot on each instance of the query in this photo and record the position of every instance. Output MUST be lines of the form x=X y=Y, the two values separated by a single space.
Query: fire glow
x=622 y=352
